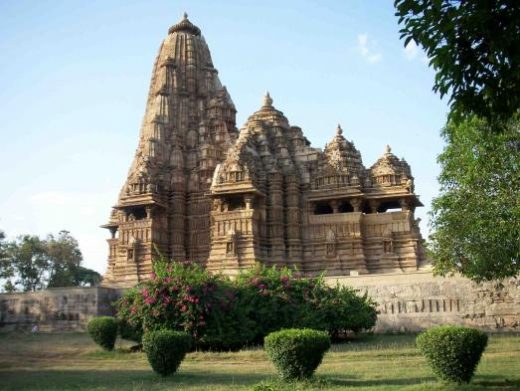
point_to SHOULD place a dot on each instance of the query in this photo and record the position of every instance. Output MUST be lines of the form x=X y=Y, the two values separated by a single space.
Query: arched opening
x=235 y=203
x=322 y=208
x=345 y=207
x=389 y=206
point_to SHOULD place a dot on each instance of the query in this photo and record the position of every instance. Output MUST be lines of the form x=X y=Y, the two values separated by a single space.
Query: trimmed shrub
x=296 y=353
x=165 y=350
x=103 y=330
x=452 y=352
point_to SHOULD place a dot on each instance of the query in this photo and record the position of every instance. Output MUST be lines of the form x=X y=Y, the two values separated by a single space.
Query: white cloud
x=49 y=198
x=368 y=54
x=411 y=50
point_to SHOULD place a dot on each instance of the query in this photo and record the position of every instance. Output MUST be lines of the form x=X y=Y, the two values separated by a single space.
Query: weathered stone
x=200 y=190
x=416 y=301
x=56 y=309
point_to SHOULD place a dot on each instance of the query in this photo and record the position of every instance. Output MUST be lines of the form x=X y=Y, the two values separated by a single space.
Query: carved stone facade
x=198 y=189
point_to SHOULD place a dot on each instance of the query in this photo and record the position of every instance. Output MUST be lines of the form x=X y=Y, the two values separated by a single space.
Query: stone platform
x=417 y=301
x=56 y=309
x=406 y=302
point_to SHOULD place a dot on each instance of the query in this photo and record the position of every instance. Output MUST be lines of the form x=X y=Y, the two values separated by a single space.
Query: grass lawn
x=389 y=362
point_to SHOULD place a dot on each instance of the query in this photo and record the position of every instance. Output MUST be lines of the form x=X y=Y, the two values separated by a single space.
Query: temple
x=200 y=190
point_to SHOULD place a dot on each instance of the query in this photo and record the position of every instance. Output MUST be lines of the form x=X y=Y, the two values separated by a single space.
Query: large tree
x=30 y=263
x=474 y=47
x=476 y=218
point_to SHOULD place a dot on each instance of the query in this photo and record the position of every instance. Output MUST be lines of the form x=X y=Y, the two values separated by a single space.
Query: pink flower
x=167 y=280
x=184 y=308
x=133 y=310
x=262 y=286
x=145 y=293
x=150 y=300
x=153 y=276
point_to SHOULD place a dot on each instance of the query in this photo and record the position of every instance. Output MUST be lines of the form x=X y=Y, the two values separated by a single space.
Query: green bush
x=221 y=314
x=166 y=349
x=296 y=353
x=129 y=321
x=103 y=330
x=452 y=352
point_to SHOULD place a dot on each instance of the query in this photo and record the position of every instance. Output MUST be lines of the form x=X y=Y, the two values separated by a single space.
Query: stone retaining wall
x=416 y=301
x=56 y=309
x=406 y=302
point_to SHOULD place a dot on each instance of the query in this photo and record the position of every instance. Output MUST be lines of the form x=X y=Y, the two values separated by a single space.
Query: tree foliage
x=474 y=48
x=30 y=263
x=476 y=218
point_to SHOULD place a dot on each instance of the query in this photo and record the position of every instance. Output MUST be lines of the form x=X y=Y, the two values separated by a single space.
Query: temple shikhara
x=199 y=189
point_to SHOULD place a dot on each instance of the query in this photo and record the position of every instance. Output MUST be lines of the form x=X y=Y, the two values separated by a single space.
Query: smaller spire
x=339 y=131
x=185 y=15
x=268 y=101
x=388 y=149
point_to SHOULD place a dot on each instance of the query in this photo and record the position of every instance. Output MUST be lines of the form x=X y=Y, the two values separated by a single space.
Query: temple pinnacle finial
x=268 y=101
x=339 y=131
x=388 y=149
x=184 y=25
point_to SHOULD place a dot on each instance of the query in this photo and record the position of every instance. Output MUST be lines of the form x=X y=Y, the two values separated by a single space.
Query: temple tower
x=189 y=124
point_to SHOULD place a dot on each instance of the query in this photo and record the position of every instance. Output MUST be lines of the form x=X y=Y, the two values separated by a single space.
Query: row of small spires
x=268 y=102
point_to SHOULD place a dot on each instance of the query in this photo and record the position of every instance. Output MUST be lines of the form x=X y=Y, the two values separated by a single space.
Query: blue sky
x=74 y=79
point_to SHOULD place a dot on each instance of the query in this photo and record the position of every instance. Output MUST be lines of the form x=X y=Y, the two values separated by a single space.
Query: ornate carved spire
x=339 y=131
x=184 y=26
x=388 y=149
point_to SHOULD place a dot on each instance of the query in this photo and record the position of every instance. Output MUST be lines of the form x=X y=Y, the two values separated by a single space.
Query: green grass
x=385 y=362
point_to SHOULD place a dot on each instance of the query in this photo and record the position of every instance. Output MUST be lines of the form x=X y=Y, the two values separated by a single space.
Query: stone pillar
x=276 y=219
x=374 y=204
x=334 y=205
x=293 y=233
x=356 y=204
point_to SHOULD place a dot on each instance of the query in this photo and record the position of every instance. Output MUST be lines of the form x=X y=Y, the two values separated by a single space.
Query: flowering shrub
x=185 y=297
x=220 y=314
x=275 y=299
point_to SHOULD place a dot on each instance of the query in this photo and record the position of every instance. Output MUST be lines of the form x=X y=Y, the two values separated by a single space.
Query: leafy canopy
x=30 y=263
x=474 y=48
x=476 y=218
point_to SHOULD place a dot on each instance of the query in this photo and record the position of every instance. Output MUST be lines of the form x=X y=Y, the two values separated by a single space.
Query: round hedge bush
x=453 y=352
x=103 y=330
x=166 y=349
x=296 y=353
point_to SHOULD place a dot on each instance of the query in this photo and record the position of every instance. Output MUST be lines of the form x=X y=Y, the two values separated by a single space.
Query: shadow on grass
x=120 y=380
x=342 y=382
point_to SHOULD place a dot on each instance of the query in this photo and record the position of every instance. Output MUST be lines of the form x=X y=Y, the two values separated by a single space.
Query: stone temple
x=199 y=189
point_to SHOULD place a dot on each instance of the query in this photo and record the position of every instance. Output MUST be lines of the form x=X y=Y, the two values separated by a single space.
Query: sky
x=74 y=78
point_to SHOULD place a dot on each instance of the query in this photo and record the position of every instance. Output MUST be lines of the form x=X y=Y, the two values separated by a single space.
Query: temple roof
x=184 y=26
x=389 y=164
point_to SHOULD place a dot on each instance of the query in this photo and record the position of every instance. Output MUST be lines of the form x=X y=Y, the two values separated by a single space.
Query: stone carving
x=195 y=178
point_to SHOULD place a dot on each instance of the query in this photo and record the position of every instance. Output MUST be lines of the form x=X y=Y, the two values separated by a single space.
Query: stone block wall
x=417 y=301
x=406 y=302
x=57 y=309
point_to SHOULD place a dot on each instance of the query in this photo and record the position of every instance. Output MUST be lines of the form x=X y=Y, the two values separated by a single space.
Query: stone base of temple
x=407 y=302
x=411 y=302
